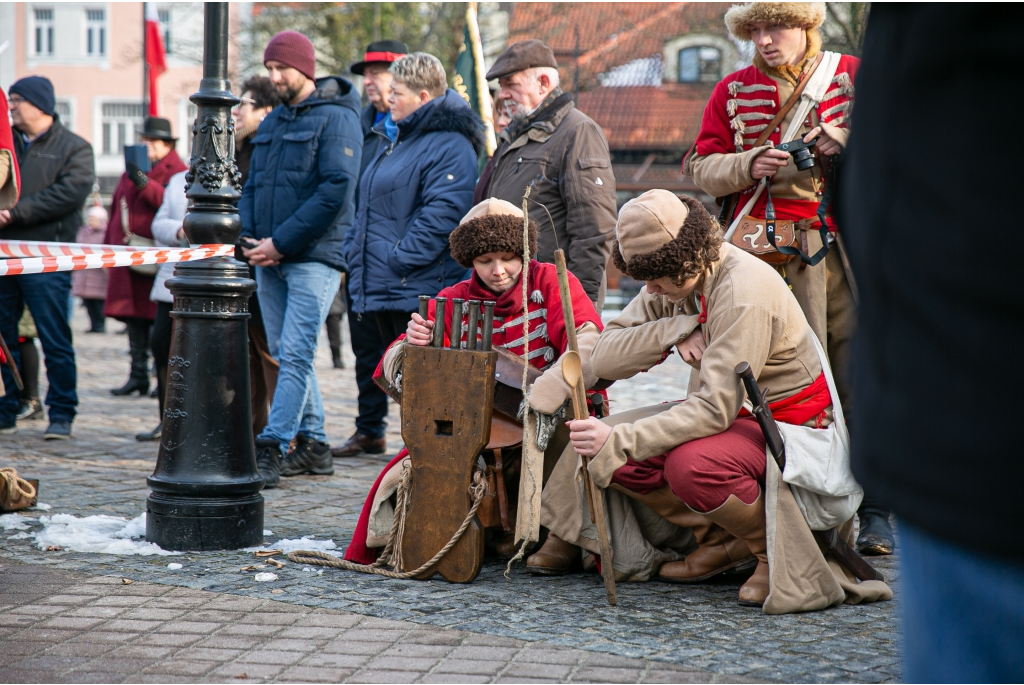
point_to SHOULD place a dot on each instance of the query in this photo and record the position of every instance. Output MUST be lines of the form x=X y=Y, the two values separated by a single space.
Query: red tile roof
x=647 y=117
x=612 y=33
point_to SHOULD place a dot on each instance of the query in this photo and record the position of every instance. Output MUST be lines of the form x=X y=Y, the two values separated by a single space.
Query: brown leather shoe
x=359 y=445
x=507 y=547
x=555 y=558
x=717 y=550
x=747 y=521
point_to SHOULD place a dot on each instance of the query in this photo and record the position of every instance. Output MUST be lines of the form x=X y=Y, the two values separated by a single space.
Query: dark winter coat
x=411 y=197
x=128 y=291
x=566 y=153
x=937 y=442
x=303 y=174
x=370 y=139
x=57 y=173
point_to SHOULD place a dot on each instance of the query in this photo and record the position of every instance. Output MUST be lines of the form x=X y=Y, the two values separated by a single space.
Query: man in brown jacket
x=691 y=491
x=563 y=154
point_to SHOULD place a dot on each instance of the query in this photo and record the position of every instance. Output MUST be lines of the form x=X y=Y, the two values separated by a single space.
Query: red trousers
x=703 y=473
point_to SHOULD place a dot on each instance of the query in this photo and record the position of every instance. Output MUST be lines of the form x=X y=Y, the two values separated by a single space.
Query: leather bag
x=16 y=492
x=751 y=236
x=133 y=240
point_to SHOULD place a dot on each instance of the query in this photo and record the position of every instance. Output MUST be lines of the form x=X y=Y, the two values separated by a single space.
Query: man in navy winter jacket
x=298 y=203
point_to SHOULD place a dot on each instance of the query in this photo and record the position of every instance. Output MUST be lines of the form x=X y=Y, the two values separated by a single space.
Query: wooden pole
x=595 y=497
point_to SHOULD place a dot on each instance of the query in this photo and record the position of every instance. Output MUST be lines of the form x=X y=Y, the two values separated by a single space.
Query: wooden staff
x=595 y=497
x=10 y=363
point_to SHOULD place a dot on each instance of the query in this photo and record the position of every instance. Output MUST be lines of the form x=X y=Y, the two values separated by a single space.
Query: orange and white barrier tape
x=35 y=248
x=101 y=256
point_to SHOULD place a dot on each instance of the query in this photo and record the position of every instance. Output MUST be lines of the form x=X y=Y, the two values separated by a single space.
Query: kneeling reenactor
x=691 y=490
x=490 y=241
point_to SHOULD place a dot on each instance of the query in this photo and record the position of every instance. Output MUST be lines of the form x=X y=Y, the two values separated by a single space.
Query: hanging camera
x=802 y=152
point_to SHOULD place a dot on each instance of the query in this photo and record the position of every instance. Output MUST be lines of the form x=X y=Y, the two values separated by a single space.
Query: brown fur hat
x=660 y=234
x=805 y=15
x=491 y=226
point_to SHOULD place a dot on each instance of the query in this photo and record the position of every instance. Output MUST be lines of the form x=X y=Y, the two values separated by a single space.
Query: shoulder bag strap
x=776 y=121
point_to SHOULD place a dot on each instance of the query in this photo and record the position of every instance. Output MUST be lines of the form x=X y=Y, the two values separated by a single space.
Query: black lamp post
x=206 y=487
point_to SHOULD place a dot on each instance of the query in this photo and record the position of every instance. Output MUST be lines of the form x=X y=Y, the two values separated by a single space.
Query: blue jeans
x=47 y=297
x=962 y=612
x=295 y=299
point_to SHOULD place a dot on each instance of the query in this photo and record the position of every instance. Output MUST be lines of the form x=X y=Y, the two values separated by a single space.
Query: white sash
x=811 y=96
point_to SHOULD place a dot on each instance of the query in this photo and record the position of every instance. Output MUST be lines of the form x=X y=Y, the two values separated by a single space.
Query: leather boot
x=507 y=547
x=717 y=551
x=555 y=558
x=747 y=521
x=876 y=537
x=336 y=359
x=359 y=445
x=138 y=345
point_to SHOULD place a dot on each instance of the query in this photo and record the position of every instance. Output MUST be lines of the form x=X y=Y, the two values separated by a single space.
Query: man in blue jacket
x=298 y=204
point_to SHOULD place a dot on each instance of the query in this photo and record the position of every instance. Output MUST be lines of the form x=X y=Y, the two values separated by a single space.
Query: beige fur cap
x=492 y=206
x=648 y=222
x=805 y=15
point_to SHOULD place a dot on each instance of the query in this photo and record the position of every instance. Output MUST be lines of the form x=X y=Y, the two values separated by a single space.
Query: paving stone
x=310 y=674
x=402 y=663
x=267 y=656
x=379 y=677
x=250 y=669
x=437 y=677
x=471 y=666
x=531 y=670
x=605 y=674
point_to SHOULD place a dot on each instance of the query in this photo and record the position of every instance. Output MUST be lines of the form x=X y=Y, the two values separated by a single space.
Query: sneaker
x=31 y=409
x=268 y=461
x=309 y=456
x=9 y=428
x=58 y=430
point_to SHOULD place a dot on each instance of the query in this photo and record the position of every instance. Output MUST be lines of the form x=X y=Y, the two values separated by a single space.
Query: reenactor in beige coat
x=691 y=491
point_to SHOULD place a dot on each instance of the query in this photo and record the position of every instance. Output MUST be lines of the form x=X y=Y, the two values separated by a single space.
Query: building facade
x=93 y=53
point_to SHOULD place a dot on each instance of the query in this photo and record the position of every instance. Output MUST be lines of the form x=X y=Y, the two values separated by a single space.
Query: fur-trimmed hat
x=661 y=234
x=491 y=226
x=805 y=15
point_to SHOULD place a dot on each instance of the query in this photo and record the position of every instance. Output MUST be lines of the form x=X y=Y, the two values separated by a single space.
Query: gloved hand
x=136 y=176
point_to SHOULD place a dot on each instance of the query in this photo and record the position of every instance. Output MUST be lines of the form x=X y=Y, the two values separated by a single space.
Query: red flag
x=156 y=55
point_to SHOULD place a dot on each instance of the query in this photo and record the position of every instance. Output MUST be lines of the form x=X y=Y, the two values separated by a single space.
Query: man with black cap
x=57 y=173
x=137 y=198
x=367 y=344
x=563 y=154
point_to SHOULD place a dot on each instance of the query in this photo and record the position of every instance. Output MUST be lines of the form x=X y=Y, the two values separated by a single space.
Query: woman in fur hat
x=699 y=466
x=490 y=241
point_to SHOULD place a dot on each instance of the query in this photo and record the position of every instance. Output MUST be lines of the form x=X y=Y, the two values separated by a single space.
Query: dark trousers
x=29 y=368
x=334 y=316
x=47 y=297
x=97 y=322
x=371 y=333
x=160 y=344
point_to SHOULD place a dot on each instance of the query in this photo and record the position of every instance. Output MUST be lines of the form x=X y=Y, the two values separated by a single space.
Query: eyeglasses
x=15 y=101
x=245 y=101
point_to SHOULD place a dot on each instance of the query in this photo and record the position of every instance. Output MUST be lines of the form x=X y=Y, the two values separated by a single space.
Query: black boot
x=268 y=461
x=876 y=536
x=339 y=363
x=138 y=345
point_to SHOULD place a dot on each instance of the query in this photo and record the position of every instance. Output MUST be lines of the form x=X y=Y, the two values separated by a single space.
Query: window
x=95 y=33
x=44 y=31
x=165 y=28
x=121 y=123
x=63 y=110
x=700 y=65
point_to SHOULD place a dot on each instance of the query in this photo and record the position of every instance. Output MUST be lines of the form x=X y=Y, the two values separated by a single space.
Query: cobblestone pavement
x=523 y=622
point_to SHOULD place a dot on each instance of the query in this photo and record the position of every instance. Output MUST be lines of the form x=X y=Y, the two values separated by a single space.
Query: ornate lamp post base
x=206 y=488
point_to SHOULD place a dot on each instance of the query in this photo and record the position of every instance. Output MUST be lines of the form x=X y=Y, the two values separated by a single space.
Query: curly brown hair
x=690 y=253
x=490 y=233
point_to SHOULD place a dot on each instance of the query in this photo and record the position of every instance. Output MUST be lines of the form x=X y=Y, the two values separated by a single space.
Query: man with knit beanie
x=713 y=501
x=735 y=159
x=57 y=172
x=296 y=207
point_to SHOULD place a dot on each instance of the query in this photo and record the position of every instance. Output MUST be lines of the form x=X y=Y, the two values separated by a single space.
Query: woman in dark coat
x=413 y=194
x=128 y=291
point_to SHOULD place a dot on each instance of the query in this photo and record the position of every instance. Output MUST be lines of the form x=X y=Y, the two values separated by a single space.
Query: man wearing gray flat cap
x=564 y=155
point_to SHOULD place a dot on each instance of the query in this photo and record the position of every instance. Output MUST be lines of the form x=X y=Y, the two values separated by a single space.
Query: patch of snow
x=268 y=532
x=40 y=505
x=265 y=577
x=174 y=567
x=96 y=534
x=18 y=536
x=15 y=522
x=305 y=542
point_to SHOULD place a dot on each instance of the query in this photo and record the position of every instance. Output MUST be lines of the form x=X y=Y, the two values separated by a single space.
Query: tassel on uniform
x=537 y=297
